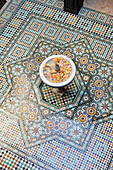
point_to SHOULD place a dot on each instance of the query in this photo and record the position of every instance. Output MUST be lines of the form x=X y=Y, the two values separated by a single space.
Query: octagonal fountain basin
x=57 y=71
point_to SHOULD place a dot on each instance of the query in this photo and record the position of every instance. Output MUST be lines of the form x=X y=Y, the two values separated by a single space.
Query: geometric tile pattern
x=9 y=160
x=95 y=15
x=13 y=51
x=20 y=47
x=98 y=87
x=44 y=120
x=56 y=100
x=101 y=143
x=70 y=98
x=53 y=152
x=41 y=132
x=76 y=21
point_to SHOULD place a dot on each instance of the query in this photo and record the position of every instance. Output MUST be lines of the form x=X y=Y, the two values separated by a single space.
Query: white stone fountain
x=57 y=71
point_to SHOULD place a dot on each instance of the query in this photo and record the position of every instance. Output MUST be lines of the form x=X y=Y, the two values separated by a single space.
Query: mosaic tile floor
x=39 y=129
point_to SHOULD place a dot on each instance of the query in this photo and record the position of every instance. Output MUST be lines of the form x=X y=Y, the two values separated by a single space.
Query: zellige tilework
x=39 y=129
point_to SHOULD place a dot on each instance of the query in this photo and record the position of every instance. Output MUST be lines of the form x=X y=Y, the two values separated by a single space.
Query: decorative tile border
x=96 y=15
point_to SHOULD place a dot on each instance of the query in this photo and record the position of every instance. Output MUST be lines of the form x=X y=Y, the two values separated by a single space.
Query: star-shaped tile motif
x=41 y=120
